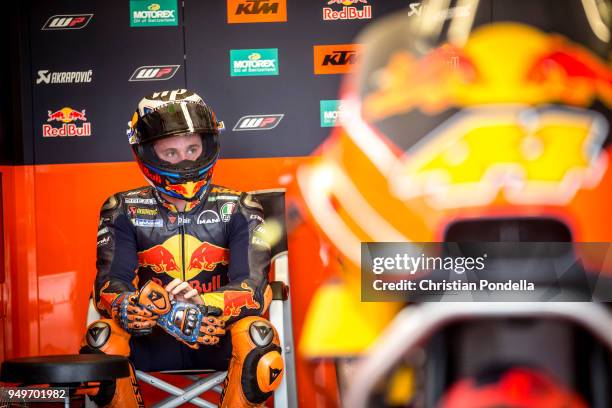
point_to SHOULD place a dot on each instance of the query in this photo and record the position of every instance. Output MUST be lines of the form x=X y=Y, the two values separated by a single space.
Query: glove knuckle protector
x=154 y=298
x=130 y=317
x=187 y=322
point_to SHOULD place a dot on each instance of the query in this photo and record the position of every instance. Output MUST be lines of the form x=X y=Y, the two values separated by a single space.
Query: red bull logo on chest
x=159 y=259
x=183 y=257
x=207 y=256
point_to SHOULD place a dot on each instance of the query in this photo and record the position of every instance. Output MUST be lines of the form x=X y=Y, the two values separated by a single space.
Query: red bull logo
x=430 y=83
x=573 y=73
x=188 y=189
x=235 y=300
x=500 y=63
x=205 y=287
x=66 y=116
x=154 y=177
x=167 y=258
x=348 y=11
x=207 y=256
x=106 y=299
x=177 y=188
x=159 y=259
x=201 y=287
x=346 y=2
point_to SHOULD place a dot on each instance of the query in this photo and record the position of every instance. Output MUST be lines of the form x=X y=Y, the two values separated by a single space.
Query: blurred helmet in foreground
x=463 y=120
x=515 y=388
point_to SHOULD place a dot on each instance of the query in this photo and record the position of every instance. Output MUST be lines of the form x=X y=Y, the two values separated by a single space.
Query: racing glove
x=192 y=324
x=133 y=318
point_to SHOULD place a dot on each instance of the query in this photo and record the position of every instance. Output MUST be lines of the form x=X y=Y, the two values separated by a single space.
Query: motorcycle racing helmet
x=168 y=114
x=517 y=387
x=460 y=121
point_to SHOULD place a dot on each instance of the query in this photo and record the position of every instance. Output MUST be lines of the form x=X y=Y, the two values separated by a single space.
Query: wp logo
x=67 y=22
x=256 y=11
x=154 y=73
x=258 y=122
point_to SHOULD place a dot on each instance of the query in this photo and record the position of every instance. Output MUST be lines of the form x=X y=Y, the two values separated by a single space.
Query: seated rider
x=182 y=265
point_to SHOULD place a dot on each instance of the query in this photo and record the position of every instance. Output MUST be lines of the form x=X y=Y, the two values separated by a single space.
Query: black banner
x=486 y=272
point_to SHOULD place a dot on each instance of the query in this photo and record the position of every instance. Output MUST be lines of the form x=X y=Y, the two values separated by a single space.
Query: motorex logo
x=153 y=13
x=332 y=112
x=254 y=62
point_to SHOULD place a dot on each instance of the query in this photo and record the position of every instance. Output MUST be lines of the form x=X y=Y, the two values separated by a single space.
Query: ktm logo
x=67 y=22
x=256 y=11
x=340 y=58
x=335 y=59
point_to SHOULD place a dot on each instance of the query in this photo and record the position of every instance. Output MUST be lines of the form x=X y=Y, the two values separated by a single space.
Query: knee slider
x=263 y=366
x=105 y=336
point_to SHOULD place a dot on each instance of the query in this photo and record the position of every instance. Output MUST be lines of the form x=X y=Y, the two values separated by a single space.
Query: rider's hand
x=181 y=291
x=133 y=318
x=211 y=327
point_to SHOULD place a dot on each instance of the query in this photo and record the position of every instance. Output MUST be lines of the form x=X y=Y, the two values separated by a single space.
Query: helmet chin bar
x=195 y=197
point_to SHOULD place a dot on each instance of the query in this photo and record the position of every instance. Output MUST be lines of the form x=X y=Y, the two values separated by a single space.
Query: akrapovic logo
x=154 y=72
x=70 y=77
x=258 y=122
x=67 y=22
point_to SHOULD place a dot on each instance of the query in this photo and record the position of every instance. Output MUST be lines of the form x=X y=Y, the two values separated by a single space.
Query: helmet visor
x=176 y=118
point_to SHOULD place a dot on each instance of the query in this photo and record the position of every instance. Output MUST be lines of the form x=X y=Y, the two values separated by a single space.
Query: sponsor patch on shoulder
x=139 y=200
x=227 y=210
x=136 y=211
x=142 y=222
x=227 y=197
